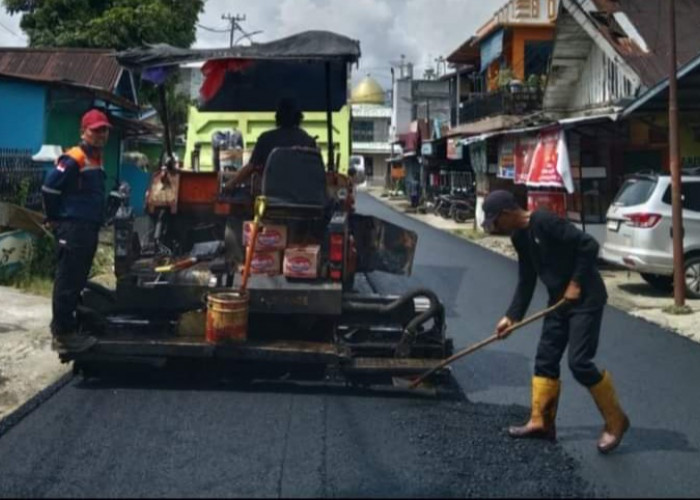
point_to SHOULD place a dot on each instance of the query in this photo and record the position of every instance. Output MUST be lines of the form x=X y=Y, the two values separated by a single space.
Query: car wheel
x=692 y=277
x=662 y=283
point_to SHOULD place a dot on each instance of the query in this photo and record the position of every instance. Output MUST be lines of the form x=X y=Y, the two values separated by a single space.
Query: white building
x=371 y=119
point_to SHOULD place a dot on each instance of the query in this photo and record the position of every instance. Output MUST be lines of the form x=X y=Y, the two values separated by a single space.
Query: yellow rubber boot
x=616 y=422
x=545 y=399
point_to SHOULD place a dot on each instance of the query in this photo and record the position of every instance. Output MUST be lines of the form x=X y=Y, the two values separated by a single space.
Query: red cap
x=94 y=119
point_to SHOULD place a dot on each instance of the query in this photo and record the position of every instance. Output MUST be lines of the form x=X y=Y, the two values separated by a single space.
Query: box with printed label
x=302 y=262
x=270 y=237
x=268 y=263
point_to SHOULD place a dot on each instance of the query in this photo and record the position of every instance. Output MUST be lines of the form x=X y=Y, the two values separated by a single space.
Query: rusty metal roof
x=467 y=53
x=92 y=68
x=650 y=18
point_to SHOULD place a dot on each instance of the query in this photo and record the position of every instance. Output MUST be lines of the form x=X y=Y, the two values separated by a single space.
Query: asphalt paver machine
x=300 y=314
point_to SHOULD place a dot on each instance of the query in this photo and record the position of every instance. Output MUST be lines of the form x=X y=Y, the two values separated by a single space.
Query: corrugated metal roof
x=650 y=18
x=467 y=53
x=93 y=68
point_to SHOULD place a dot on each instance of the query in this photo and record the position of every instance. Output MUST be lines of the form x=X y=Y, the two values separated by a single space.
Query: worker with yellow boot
x=564 y=258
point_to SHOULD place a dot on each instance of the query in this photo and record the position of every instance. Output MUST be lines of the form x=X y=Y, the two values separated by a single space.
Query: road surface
x=190 y=438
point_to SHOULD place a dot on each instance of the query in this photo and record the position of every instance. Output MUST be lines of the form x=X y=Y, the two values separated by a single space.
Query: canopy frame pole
x=329 y=119
x=170 y=160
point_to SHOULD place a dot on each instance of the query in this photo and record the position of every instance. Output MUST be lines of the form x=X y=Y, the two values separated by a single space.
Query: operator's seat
x=295 y=178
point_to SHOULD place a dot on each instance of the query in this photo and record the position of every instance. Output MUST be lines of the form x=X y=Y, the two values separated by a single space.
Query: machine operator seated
x=287 y=134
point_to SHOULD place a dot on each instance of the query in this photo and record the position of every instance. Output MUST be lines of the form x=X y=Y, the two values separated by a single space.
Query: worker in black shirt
x=565 y=260
x=287 y=134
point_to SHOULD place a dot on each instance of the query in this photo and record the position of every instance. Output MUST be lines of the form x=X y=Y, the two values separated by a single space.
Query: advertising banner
x=506 y=158
x=454 y=149
x=550 y=200
x=550 y=166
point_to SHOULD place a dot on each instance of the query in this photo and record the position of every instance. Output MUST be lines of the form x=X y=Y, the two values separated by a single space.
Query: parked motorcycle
x=459 y=206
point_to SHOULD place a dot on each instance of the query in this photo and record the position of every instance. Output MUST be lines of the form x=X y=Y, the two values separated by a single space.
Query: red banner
x=548 y=200
x=543 y=170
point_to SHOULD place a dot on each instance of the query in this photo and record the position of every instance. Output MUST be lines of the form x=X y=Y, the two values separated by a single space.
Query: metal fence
x=20 y=178
x=502 y=102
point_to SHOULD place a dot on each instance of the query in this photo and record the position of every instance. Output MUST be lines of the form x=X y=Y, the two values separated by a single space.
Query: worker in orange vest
x=74 y=204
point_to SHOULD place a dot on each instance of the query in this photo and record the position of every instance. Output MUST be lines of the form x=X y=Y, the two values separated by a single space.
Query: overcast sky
x=420 y=29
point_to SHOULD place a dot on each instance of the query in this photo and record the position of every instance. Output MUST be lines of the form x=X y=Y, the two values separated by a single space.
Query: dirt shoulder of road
x=27 y=363
x=627 y=290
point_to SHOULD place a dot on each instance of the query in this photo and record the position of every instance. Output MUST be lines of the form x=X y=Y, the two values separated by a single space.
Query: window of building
x=363 y=131
x=552 y=8
x=537 y=58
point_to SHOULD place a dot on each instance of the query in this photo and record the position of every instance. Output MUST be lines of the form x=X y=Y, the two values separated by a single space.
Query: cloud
x=422 y=30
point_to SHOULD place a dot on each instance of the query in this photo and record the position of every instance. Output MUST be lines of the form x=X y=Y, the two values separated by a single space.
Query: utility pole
x=233 y=21
x=676 y=187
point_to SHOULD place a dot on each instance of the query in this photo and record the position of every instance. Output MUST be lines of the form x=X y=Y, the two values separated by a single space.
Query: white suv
x=639 y=234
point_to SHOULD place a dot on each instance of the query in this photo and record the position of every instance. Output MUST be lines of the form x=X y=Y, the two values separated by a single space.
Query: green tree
x=115 y=24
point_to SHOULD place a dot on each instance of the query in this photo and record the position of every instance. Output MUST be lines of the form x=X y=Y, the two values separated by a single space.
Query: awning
x=491 y=49
x=135 y=128
x=567 y=122
x=477 y=138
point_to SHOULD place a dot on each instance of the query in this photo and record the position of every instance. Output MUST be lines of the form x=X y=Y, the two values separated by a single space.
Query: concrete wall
x=202 y=125
x=23 y=120
x=401 y=115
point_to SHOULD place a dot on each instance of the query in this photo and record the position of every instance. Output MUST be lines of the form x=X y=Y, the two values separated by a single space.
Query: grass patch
x=37 y=278
x=678 y=310
x=470 y=234
x=36 y=285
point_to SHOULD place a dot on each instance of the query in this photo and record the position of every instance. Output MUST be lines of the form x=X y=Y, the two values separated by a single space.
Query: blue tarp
x=491 y=49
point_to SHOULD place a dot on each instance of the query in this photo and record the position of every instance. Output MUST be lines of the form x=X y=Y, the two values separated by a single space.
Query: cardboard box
x=302 y=262
x=270 y=237
x=269 y=263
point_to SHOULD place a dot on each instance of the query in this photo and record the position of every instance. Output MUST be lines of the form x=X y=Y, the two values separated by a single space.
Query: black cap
x=495 y=203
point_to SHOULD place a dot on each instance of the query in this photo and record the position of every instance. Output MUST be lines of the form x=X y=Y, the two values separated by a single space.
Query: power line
x=213 y=30
x=11 y=32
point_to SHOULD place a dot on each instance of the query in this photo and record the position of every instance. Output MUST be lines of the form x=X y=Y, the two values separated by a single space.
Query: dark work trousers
x=580 y=331
x=76 y=243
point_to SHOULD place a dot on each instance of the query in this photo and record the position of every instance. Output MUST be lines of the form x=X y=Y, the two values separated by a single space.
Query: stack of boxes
x=274 y=256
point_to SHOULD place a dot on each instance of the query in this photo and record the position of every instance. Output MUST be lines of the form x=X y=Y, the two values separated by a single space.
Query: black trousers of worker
x=76 y=243
x=580 y=331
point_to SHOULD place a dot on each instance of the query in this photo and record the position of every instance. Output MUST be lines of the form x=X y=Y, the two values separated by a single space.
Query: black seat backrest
x=295 y=176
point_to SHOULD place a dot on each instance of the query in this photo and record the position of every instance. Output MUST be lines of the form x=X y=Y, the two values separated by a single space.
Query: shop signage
x=397 y=172
x=455 y=150
x=506 y=159
x=549 y=200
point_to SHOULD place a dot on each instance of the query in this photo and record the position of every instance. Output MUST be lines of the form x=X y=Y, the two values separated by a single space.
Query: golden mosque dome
x=368 y=91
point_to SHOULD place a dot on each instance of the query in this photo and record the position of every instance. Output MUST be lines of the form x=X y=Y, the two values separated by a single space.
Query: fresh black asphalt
x=195 y=438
